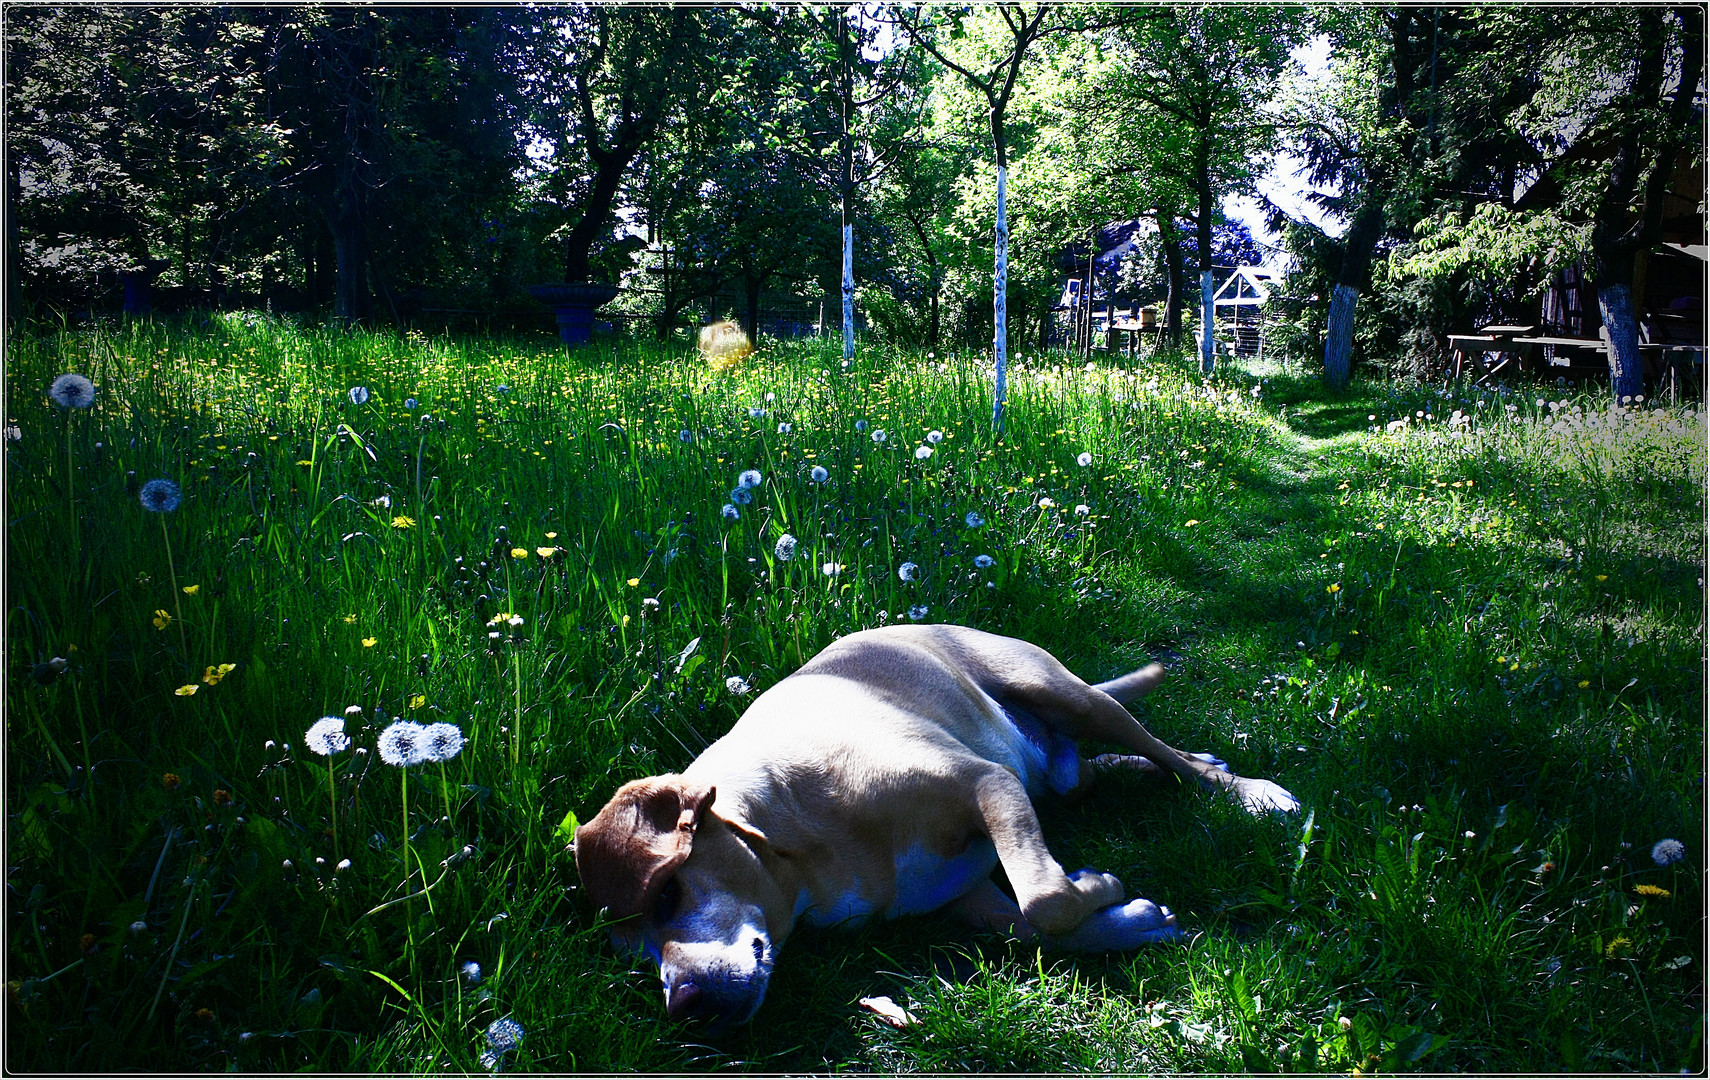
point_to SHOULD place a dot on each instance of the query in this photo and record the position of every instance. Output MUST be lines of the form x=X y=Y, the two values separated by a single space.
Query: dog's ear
x=638 y=840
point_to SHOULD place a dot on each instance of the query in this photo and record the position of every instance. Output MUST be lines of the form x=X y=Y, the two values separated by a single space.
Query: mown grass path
x=1465 y=629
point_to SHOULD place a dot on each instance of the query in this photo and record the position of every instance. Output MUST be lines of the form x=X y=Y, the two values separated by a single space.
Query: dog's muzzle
x=720 y=994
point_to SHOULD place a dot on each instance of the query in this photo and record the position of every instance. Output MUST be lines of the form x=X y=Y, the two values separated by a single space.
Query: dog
x=889 y=775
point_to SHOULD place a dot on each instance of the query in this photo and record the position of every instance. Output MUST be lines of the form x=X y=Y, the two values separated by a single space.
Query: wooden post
x=1000 y=290
x=1208 y=321
x=848 y=291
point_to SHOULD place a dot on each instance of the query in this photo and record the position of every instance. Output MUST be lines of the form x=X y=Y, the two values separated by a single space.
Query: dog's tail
x=1135 y=684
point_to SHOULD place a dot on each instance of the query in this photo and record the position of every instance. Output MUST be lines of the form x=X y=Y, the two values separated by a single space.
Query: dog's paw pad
x=1213 y=759
x=1124 y=926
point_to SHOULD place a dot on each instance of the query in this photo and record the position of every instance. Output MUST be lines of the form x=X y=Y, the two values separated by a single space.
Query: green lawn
x=1465 y=628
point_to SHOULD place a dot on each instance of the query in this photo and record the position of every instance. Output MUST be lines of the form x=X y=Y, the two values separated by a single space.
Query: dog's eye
x=669 y=896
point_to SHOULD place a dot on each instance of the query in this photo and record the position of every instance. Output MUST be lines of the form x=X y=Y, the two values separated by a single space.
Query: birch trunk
x=1626 y=367
x=1208 y=321
x=848 y=292
x=1000 y=289
x=1339 y=337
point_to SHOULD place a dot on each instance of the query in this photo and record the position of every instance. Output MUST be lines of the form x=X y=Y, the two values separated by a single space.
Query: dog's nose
x=683 y=1000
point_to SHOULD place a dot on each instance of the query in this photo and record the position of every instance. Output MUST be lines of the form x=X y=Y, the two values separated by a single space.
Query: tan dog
x=890 y=774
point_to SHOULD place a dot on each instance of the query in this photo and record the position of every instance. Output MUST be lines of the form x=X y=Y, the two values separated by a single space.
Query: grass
x=1470 y=643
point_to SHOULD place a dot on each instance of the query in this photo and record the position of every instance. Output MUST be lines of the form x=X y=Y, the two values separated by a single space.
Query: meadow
x=1464 y=627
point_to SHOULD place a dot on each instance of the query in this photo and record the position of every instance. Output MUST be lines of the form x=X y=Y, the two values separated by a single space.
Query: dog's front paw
x=1263 y=797
x=1122 y=926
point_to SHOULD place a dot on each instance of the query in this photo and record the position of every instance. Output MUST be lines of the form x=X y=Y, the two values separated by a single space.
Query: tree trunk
x=848 y=285
x=752 y=286
x=1356 y=270
x=350 y=252
x=1000 y=290
x=1626 y=366
x=1177 y=277
x=595 y=212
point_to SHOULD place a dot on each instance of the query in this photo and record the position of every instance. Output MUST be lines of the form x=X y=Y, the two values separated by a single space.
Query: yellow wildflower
x=188 y=690
x=546 y=552
x=192 y=590
x=349 y=619
x=370 y=642
x=1651 y=890
x=1191 y=522
x=403 y=521
x=161 y=618
x=634 y=581
x=418 y=701
x=519 y=553
x=1334 y=589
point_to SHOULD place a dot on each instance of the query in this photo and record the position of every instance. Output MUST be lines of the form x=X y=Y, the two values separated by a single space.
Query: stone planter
x=574 y=303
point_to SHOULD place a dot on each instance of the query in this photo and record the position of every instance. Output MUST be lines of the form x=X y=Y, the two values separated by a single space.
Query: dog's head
x=690 y=890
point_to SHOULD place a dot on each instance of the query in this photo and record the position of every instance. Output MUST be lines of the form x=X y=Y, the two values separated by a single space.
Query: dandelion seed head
x=908 y=571
x=441 y=742
x=860 y=425
x=1084 y=460
x=685 y=436
x=410 y=403
x=983 y=561
x=737 y=685
x=831 y=569
x=935 y=436
x=1082 y=510
x=917 y=612
x=785 y=548
x=160 y=496
x=921 y=453
x=403 y=744
x=879 y=436
x=72 y=391
x=471 y=973
x=326 y=736
x=358 y=395
x=974 y=520
x=749 y=478
x=730 y=512
x=741 y=496
x=819 y=475
x=783 y=429
x=504 y=1035
x=1668 y=852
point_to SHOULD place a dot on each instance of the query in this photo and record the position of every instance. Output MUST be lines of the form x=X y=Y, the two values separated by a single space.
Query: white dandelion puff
x=160 y=496
x=1084 y=460
x=783 y=429
x=908 y=571
x=441 y=742
x=974 y=520
x=935 y=436
x=921 y=453
x=730 y=512
x=819 y=475
x=750 y=478
x=72 y=391
x=983 y=561
x=860 y=425
x=685 y=436
x=879 y=436
x=917 y=612
x=403 y=744
x=756 y=414
x=410 y=403
x=358 y=395
x=504 y=1035
x=326 y=736
x=831 y=569
x=737 y=685
x=1082 y=510
x=471 y=973
x=1667 y=852
x=741 y=496
x=785 y=548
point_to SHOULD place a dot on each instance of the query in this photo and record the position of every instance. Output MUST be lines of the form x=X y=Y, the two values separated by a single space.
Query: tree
x=990 y=68
x=1210 y=69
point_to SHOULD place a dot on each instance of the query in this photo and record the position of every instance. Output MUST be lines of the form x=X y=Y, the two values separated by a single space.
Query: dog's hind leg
x=1019 y=673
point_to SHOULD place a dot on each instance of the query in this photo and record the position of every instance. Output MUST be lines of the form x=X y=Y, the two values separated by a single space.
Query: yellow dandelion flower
x=634 y=581
x=519 y=553
x=1622 y=944
x=305 y=462
x=187 y=690
x=552 y=536
x=403 y=521
x=370 y=642
x=418 y=701
x=1651 y=890
x=161 y=618
x=546 y=552
x=192 y=590
x=1334 y=589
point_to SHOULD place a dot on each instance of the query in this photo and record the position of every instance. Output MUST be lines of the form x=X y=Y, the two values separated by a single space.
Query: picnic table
x=1497 y=338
